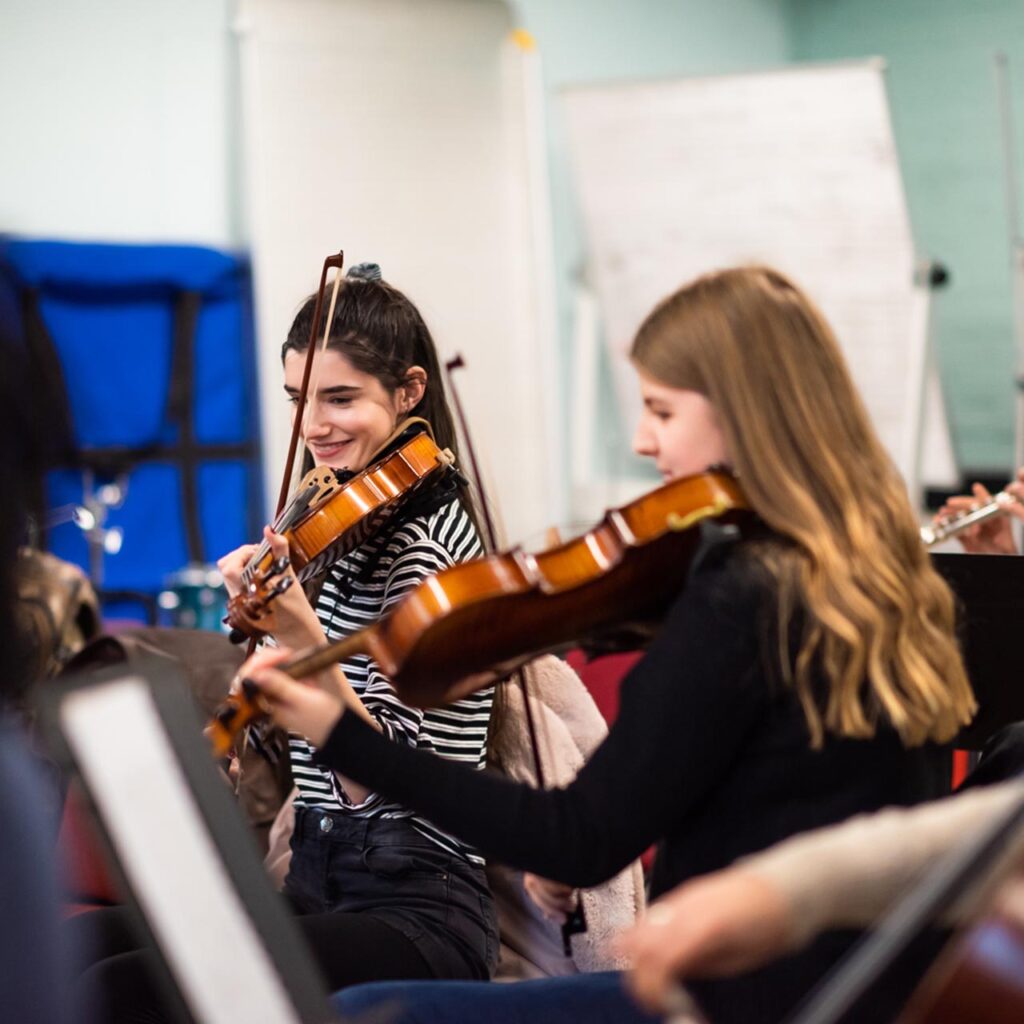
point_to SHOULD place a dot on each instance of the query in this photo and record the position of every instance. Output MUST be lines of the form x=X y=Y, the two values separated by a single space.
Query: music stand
x=174 y=834
x=990 y=610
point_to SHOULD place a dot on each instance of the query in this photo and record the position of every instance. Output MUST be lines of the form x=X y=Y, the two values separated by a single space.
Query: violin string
x=295 y=507
x=282 y=498
x=417 y=452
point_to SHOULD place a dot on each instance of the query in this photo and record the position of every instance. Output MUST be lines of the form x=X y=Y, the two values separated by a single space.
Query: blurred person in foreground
x=34 y=960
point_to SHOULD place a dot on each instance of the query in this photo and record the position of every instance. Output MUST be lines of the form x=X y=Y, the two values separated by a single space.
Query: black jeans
x=376 y=900
x=386 y=869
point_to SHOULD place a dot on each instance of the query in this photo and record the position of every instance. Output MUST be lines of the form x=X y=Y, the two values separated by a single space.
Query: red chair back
x=602 y=677
x=87 y=881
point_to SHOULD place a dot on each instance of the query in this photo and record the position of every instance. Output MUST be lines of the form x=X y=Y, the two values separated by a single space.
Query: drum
x=194 y=598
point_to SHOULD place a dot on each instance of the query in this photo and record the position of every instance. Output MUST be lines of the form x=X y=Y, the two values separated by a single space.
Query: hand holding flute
x=980 y=521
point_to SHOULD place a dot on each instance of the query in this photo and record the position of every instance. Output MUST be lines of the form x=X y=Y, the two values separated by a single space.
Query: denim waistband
x=317 y=822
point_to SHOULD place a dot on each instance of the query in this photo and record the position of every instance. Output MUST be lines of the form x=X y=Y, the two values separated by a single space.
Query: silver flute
x=951 y=526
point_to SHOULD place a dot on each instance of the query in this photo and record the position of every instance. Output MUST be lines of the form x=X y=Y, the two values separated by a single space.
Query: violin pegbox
x=247 y=609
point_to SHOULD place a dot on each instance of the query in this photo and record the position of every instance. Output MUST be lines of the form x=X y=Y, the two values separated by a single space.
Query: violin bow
x=491 y=543
x=575 y=923
x=301 y=409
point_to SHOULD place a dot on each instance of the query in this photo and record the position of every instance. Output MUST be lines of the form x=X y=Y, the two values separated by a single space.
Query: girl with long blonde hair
x=878 y=616
x=806 y=672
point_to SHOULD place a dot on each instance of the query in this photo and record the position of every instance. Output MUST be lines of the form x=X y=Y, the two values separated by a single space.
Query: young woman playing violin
x=806 y=671
x=382 y=892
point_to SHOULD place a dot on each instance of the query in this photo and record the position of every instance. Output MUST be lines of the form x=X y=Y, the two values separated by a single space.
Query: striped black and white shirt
x=356 y=592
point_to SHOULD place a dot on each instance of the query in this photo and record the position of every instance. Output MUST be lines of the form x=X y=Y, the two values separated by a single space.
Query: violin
x=329 y=515
x=981 y=981
x=478 y=621
x=978 y=979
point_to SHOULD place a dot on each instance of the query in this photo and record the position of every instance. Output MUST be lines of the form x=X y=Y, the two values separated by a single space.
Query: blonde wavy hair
x=878 y=619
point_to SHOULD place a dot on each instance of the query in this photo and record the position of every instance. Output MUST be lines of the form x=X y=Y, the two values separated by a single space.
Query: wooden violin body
x=978 y=981
x=499 y=612
x=335 y=517
x=479 y=620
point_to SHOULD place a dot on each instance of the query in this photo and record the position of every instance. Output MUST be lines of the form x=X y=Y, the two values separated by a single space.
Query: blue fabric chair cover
x=155 y=344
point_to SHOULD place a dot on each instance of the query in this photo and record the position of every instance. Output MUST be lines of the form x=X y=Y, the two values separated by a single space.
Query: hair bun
x=364 y=271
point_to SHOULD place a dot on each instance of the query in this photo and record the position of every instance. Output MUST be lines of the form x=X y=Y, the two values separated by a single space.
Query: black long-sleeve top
x=710 y=755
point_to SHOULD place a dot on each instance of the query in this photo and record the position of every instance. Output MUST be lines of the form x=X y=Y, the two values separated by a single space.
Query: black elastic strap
x=428 y=501
x=46 y=384
x=179 y=408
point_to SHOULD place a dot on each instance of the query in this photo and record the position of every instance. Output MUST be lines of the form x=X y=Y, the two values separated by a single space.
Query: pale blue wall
x=942 y=90
x=584 y=41
x=943 y=98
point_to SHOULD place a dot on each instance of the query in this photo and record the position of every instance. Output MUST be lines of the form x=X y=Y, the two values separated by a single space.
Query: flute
x=946 y=528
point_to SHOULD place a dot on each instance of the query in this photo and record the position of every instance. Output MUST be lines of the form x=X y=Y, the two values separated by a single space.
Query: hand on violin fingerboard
x=288 y=617
x=233 y=564
x=310 y=708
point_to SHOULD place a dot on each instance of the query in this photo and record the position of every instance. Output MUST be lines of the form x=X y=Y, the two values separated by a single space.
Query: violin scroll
x=247 y=609
x=241 y=708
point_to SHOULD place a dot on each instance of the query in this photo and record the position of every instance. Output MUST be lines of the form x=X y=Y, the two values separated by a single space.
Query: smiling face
x=352 y=414
x=679 y=429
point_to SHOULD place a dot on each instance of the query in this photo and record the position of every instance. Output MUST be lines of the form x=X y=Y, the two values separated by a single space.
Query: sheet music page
x=169 y=858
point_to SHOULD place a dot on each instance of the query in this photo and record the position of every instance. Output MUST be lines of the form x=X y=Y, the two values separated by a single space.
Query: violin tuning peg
x=281 y=585
x=226 y=714
x=280 y=566
x=237 y=636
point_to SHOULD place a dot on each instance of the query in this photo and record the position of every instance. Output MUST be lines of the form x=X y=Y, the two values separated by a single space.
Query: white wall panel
x=397 y=131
